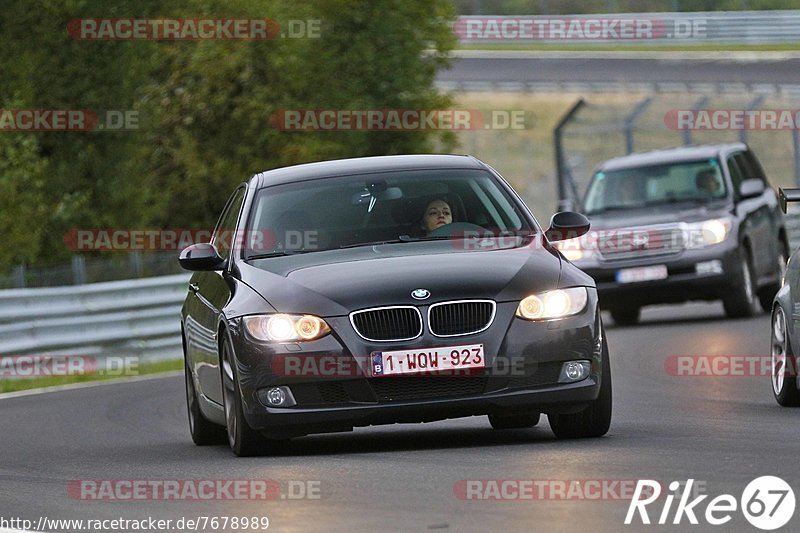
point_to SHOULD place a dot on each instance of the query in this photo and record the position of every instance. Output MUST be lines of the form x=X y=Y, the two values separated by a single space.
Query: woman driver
x=437 y=213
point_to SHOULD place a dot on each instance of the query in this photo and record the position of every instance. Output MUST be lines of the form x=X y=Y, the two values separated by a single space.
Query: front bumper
x=683 y=283
x=523 y=360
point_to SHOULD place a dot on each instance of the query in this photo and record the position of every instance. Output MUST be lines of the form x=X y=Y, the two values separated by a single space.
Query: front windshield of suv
x=384 y=208
x=631 y=188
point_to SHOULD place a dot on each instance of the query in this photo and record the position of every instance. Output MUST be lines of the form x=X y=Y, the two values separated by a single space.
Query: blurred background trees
x=204 y=108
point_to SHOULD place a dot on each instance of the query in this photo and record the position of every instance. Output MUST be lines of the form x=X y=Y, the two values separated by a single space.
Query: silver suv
x=689 y=223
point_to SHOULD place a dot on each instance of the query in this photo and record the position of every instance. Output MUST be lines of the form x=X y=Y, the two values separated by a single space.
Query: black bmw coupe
x=382 y=290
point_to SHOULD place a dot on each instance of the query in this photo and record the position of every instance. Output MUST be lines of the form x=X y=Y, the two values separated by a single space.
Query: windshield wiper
x=676 y=200
x=614 y=208
x=281 y=253
x=400 y=239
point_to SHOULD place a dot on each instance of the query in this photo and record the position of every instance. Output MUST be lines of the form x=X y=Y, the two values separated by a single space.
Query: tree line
x=184 y=121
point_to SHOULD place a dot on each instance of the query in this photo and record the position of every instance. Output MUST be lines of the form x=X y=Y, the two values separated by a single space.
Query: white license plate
x=648 y=273
x=424 y=360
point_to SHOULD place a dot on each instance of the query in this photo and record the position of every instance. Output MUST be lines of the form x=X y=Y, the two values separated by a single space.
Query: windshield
x=632 y=188
x=391 y=207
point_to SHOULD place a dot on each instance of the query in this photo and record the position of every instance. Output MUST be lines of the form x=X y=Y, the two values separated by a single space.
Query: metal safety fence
x=83 y=269
x=139 y=317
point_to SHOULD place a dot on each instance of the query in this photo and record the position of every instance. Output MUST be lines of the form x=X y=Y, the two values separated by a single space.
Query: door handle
x=194 y=287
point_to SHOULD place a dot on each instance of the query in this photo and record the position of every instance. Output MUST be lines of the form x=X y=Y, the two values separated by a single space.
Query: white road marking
x=87 y=385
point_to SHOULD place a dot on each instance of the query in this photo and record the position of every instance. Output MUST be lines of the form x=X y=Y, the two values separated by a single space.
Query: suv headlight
x=707 y=232
x=548 y=305
x=573 y=249
x=286 y=328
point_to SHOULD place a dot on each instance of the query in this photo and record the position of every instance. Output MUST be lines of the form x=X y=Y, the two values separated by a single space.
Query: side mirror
x=788 y=195
x=751 y=188
x=201 y=256
x=567 y=225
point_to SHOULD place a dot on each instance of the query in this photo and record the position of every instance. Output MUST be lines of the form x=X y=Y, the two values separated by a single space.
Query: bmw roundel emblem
x=420 y=294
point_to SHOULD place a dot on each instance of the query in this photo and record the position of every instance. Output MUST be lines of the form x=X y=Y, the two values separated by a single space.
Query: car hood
x=658 y=214
x=336 y=282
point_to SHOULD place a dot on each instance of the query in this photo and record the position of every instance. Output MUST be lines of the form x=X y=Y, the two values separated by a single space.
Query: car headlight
x=286 y=328
x=707 y=232
x=548 y=305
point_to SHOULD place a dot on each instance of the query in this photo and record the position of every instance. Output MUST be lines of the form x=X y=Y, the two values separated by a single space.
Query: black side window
x=736 y=174
x=751 y=167
x=224 y=232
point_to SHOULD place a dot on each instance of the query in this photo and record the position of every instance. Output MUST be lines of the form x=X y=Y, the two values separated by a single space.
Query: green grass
x=12 y=385
x=634 y=47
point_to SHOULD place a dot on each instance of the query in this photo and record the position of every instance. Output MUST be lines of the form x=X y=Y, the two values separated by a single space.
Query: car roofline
x=363 y=166
x=670 y=155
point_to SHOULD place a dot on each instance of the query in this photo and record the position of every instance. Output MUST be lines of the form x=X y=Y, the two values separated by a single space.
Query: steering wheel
x=455 y=228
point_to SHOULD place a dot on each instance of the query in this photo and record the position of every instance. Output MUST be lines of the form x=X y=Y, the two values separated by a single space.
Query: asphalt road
x=567 y=67
x=721 y=431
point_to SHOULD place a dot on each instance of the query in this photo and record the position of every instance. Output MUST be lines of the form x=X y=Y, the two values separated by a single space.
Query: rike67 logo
x=767 y=503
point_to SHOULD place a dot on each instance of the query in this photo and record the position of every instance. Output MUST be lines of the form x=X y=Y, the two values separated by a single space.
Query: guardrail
x=733 y=27
x=133 y=317
x=81 y=270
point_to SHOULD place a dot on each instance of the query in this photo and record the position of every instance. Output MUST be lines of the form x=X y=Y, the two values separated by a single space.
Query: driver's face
x=710 y=182
x=437 y=214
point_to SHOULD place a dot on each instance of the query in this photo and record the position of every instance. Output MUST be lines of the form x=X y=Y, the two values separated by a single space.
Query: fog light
x=709 y=267
x=573 y=371
x=277 y=397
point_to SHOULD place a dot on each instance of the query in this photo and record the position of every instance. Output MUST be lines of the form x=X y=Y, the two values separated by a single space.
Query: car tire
x=783 y=362
x=742 y=300
x=243 y=440
x=628 y=316
x=527 y=420
x=766 y=296
x=595 y=419
x=203 y=431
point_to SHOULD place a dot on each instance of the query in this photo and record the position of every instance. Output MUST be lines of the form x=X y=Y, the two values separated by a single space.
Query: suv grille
x=388 y=323
x=460 y=318
x=641 y=242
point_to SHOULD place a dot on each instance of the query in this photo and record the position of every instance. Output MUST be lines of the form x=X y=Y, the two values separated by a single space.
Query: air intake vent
x=390 y=389
x=449 y=319
x=388 y=323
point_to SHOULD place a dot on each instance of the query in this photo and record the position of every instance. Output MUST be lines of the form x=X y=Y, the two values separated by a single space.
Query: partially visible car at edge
x=785 y=318
x=689 y=223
